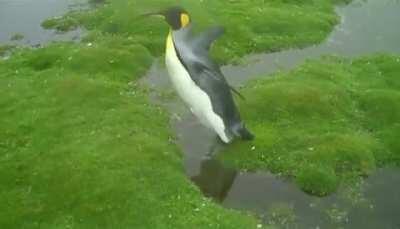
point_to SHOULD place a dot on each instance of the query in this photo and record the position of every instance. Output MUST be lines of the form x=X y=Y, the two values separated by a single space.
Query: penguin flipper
x=205 y=39
x=217 y=76
x=237 y=92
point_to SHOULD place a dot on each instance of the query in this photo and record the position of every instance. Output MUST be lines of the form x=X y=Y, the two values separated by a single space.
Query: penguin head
x=176 y=17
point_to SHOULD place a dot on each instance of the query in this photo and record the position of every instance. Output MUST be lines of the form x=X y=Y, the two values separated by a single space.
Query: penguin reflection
x=214 y=180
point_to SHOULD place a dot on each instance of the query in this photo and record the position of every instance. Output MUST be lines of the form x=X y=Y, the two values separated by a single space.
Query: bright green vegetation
x=65 y=24
x=80 y=146
x=252 y=26
x=324 y=123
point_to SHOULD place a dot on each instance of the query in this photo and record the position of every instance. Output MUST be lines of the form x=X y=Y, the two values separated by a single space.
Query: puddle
x=25 y=16
x=375 y=203
x=367 y=27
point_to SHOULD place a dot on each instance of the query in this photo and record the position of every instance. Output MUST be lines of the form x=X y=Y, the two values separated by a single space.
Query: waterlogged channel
x=23 y=18
x=366 y=27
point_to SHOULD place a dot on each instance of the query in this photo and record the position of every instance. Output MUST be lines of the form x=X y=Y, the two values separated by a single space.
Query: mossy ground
x=251 y=26
x=80 y=144
x=324 y=123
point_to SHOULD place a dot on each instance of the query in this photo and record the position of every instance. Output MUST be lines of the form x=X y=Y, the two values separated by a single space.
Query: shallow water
x=366 y=27
x=25 y=16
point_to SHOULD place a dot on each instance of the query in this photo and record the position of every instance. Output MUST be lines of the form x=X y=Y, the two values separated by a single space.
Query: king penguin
x=198 y=79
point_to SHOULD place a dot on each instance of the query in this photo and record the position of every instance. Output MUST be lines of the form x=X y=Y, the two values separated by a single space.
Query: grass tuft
x=263 y=26
x=324 y=123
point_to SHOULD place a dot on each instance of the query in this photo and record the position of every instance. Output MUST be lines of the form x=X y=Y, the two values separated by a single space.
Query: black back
x=173 y=16
x=207 y=74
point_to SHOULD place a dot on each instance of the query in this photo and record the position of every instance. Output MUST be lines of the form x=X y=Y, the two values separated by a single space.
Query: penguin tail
x=240 y=130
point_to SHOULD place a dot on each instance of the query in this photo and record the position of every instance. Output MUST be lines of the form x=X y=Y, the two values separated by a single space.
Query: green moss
x=78 y=148
x=317 y=179
x=45 y=58
x=389 y=136
x=263 y=26
x=63 y=24
x=325 y=122
x=382 y=107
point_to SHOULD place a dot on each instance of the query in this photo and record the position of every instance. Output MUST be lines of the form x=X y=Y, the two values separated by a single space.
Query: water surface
x=366 y=27
x=25 y=16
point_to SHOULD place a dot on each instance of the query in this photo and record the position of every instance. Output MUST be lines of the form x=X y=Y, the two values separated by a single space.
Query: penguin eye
x=185 y=19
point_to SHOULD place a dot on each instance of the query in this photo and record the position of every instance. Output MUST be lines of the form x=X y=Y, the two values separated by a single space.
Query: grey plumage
x=193 y=53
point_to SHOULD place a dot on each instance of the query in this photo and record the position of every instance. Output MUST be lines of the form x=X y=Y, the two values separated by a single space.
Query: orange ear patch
x=185 y=19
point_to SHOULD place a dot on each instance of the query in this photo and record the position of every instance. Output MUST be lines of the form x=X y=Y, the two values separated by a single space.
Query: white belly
x=196 y=99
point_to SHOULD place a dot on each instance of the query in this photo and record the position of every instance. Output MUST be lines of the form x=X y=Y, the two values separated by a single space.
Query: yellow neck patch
x=169 y=43
x=185 y=19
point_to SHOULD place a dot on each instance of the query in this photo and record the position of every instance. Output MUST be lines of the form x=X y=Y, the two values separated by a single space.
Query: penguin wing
x=211 y=80
x=203 y=43
x=213 y=74
x=205 y=39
